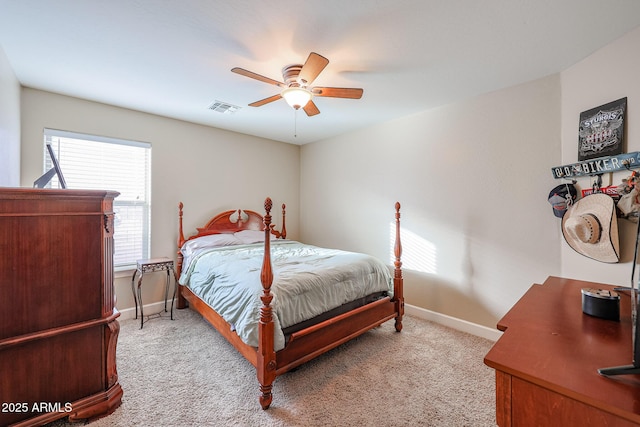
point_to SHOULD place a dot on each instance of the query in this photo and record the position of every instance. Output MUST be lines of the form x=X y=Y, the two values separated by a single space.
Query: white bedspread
x=308 y=281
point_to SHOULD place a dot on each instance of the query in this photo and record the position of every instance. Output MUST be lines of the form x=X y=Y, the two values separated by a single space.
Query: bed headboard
x=230 y=222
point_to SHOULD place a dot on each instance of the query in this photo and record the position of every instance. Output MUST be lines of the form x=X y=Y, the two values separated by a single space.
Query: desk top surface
x=550 y=342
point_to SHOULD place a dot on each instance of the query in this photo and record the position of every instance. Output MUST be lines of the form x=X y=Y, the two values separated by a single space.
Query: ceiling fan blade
x=338 y=92
x=312 y=67
x=265 y=101
x=311 y=109
x=256 y=76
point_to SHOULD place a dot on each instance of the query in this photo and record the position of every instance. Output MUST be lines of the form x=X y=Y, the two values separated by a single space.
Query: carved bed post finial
x=397 y=275
x=266 y=368
x=266 y=276
x=180 y=232
x=284 y=225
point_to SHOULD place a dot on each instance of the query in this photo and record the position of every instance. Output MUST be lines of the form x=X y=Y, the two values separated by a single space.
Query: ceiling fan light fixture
x=296 y=97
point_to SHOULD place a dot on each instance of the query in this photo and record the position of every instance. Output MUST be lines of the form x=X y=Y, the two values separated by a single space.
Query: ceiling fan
x=297 y=89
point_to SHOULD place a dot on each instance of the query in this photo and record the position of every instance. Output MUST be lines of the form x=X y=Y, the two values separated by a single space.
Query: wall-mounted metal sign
x=601 y=131
x=598 y=166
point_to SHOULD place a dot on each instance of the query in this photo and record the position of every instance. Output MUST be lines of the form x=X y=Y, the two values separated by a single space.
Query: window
x=98 y=163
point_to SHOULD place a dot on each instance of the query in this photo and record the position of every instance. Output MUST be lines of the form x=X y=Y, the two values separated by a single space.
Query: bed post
x=181 y=303
x=283 y=234
x=397 y=276
x=266 y=366
x=272 y=227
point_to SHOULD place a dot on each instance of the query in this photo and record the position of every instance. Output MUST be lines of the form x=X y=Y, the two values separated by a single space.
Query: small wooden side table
x=149 y=266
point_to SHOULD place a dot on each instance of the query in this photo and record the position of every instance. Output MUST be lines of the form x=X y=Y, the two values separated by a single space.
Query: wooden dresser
x=58 y=327
x=546 y=361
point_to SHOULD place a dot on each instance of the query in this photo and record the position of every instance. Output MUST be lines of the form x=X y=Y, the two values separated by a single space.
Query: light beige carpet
x=183 y=373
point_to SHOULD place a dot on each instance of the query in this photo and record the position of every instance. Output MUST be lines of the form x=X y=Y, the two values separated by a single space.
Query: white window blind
x=99 y=163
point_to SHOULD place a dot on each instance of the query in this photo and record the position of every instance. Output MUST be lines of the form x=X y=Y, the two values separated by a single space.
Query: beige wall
x=208 y=169
x=9 y=125
x=473 y=179
x=609 y=74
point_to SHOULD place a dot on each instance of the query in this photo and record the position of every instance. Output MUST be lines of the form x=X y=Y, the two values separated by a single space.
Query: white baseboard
x=422 y=313
x=452 y=322
x=149 y=309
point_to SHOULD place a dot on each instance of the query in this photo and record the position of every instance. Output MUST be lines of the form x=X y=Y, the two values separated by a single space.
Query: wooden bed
x=307 y=343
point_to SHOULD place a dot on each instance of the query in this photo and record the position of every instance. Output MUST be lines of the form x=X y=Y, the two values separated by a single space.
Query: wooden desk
x=546 y=361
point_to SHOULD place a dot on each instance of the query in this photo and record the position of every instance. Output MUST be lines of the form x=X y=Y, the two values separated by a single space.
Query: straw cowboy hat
x=590 y=227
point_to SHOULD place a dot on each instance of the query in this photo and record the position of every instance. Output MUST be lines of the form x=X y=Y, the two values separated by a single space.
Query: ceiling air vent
x=223 y=107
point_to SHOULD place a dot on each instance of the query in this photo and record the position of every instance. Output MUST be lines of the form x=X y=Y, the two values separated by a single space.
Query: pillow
x=250 y=236
x=210 y=241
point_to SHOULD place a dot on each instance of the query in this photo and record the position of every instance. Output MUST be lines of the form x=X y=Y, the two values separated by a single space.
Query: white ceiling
x=173 y=57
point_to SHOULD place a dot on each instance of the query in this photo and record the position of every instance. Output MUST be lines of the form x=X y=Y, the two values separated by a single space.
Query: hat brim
x=607 y=249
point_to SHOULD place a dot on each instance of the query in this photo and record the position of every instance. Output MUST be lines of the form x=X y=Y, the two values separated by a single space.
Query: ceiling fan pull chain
x=295 y=123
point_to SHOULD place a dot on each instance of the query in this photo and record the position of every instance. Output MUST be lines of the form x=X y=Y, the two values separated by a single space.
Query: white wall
x=609 y=74
x=208 y=169
x=9 y=125
x=473 y=179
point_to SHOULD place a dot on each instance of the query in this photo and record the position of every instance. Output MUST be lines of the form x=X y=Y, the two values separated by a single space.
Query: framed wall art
x=601 y=130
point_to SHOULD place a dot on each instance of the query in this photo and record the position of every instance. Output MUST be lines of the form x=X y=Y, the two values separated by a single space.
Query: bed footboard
x=311 y=342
